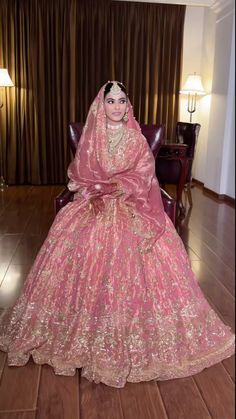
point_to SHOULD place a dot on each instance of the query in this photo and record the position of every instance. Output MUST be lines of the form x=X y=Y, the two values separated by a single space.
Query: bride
x=111 y=290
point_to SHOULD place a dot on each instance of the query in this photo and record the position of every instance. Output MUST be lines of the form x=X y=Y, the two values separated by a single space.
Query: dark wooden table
x=173 y=173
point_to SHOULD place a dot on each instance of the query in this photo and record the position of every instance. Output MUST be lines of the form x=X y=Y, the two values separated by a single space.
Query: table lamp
x=193 y=87
x=5 y=81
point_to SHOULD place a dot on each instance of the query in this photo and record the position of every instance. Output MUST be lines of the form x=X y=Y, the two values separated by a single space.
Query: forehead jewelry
x=115 y=90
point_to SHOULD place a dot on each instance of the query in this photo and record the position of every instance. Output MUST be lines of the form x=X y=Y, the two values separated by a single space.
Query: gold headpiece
x=115 y=90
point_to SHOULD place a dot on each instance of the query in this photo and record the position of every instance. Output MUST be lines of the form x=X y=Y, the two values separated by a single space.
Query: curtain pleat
x=59 y=53
x=147 y=53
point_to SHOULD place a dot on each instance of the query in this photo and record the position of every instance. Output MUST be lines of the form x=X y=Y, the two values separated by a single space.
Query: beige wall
x=209 y=50
x=221 y=140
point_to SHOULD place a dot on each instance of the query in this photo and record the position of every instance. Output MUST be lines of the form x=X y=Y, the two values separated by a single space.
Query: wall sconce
x=5 y=81
x=193 y=87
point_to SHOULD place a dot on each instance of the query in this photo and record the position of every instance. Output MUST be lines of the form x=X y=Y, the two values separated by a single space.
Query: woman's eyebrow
x=112 y=98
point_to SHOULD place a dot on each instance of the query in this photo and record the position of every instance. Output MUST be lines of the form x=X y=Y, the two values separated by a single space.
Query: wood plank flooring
x=35 y=392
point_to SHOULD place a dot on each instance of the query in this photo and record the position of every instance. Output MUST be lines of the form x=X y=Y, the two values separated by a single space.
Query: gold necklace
x=114 y=138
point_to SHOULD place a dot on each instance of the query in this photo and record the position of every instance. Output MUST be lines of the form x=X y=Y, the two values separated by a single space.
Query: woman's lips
x=116 y=113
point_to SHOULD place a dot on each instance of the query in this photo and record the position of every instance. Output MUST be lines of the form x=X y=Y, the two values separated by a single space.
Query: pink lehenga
x=113 y=292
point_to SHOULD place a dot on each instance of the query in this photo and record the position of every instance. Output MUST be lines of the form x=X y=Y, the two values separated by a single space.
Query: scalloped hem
x=112 y=377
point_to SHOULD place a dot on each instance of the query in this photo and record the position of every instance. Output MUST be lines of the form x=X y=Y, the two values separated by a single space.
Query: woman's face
x=115 y=107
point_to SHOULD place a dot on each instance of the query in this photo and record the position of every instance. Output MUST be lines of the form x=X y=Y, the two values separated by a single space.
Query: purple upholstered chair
x=168 y=170
x=154 y=135
x=187 y=133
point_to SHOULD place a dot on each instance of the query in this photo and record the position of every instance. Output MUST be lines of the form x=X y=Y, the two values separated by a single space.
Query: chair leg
x=189 y=195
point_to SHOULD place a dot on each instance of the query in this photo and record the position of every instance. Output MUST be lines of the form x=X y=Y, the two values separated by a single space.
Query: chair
x=187 y=133
x=155 y=139
x=154 y=135
x=75 y=131
x=177 y=157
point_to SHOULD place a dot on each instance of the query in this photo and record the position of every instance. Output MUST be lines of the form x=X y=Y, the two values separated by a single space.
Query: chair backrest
x=187 y=133
x=75 y=131
x=154 y=135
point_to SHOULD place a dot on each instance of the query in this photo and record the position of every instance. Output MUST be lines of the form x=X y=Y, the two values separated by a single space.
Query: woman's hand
x=117 y=193
x=98 y=190
x=94 y=193
x=96 y=205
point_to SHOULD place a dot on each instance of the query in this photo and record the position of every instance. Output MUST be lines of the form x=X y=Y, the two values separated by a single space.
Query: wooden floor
x=34 y=392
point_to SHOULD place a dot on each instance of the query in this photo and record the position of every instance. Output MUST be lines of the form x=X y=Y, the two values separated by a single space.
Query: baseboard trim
x=219 y=197
x=197 y=182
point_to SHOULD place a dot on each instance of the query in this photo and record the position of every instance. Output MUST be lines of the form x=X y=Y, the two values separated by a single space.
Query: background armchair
x=154 y=135
x=174 y=164
x=187 y=133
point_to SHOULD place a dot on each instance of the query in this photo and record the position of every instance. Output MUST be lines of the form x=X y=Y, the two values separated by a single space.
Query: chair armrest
x=169 y=204
x=62 y=199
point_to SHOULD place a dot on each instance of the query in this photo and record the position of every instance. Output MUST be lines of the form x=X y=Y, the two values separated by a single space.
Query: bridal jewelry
x=125 y=117
x=114 y=137
x=114 y=126
x=115 y=90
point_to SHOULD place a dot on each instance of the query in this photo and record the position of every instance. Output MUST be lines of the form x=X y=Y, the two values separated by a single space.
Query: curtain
x=59 y=53
x=147 y=55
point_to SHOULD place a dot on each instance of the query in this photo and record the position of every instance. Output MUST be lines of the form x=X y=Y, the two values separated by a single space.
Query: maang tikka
x=115 y=89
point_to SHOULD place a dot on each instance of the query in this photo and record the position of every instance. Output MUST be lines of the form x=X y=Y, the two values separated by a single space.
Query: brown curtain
x=147 y=52
x=50 y=50
x=58 y=54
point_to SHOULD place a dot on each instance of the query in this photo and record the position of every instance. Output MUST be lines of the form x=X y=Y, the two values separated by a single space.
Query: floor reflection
x=12 y=284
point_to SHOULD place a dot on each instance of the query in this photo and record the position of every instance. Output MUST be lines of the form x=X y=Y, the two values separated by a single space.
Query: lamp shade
x=193 y=85
x=5 y=79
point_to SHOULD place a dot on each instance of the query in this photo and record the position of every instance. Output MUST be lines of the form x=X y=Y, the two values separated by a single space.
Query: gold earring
x=125 y=117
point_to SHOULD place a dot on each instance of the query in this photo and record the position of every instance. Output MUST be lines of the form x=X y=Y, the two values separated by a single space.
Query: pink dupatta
x=137 y=180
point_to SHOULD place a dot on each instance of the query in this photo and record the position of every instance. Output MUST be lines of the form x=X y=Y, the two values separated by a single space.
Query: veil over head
x=87 y=166
x=137 y=177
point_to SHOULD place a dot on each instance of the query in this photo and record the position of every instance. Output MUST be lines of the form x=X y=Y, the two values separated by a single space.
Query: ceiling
x=216 y=5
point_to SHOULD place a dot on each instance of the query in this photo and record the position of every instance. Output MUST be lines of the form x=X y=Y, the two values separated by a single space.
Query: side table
x=172 y=168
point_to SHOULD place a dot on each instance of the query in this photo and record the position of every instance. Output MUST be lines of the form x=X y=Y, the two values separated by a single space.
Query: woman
x=111 y=290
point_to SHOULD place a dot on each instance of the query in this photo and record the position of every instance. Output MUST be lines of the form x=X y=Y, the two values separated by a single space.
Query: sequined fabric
x=113 y=293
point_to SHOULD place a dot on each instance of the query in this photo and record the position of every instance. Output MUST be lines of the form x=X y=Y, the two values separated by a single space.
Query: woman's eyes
x=122 y=101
